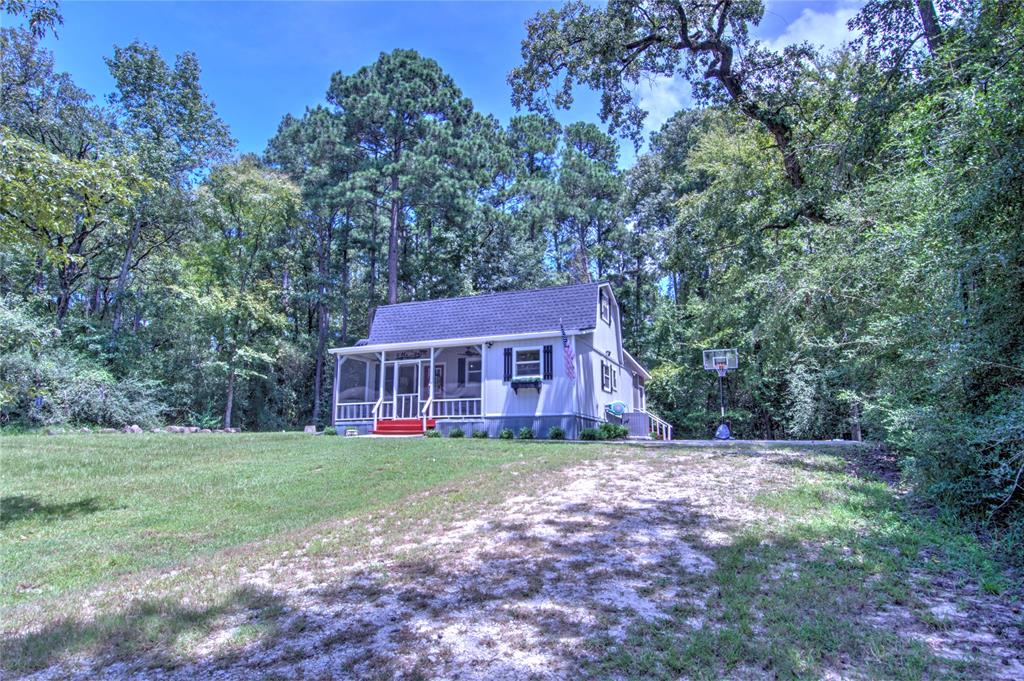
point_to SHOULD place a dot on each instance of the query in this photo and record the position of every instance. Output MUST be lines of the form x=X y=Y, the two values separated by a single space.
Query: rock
x=107 y=431
x=219 y=430
x=205 y=430
x=191 y=429
x=234 y=430
x=84 y=430
x=54 y=431
x=175 y=429
x=311 y=430
x=156 y=430
x=134 y=428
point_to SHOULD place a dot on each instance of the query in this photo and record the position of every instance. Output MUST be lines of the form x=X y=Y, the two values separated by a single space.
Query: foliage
x=432 y=433
x=505 y=434
x=589 y=434
x=456 y=432
x=480 y=434
x=556 y=433
x=612 y=431
x=525 y=433
x=851 y=221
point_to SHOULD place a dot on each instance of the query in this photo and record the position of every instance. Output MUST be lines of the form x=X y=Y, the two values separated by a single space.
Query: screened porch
x=426 y=383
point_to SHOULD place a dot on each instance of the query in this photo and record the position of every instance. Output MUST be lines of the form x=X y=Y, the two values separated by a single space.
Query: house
x=494 y=361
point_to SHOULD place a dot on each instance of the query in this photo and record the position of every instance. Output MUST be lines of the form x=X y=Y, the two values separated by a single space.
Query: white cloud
x=662 y=96
x=823 y=29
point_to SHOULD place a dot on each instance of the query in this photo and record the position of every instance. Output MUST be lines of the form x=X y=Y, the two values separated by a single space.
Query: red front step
x=402 y=426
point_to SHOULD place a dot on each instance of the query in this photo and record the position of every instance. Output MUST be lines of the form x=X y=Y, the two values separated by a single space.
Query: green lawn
x=79 y=509
x=154 y=551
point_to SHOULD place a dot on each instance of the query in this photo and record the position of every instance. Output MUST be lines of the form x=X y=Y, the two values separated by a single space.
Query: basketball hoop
x=721 y=361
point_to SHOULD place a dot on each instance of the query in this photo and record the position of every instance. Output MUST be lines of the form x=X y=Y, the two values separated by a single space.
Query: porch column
x=334 y=396
x=380 y=396
x=430 y=391
x=483 y=379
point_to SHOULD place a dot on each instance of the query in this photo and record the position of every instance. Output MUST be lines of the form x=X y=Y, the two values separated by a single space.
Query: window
x=473 y=372
x=527 y=362
x=606 y=377
x=606 y=306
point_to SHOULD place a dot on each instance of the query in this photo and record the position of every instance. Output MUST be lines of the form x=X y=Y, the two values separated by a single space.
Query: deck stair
x=402 y=426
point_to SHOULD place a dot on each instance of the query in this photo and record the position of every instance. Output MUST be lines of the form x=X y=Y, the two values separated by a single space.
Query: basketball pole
x=721 y=395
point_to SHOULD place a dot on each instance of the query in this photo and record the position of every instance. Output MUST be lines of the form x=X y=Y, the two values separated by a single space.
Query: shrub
x=480 y=434
x=556 y=433
x=525 y=433
x=330 y=430
x=432 y=433
x=589 y=434
x=505 y=434
x=456 y=432
x=612 y=431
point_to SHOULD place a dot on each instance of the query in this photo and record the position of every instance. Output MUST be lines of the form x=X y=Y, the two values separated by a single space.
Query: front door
x=438 y=382
x=406 y=393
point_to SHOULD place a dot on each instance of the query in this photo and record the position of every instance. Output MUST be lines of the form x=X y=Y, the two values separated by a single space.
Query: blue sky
x=263 y=60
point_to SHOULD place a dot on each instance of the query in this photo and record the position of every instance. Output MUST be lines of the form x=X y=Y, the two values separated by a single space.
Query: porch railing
x=643 y=423
x=455 y=408
x=354 y=411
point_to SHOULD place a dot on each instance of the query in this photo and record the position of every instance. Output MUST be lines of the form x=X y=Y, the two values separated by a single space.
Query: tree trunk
x=855 y=432
x=230 y=398
x=930 y=24
x=393 y=245
x=323 y=322
x=122 y=277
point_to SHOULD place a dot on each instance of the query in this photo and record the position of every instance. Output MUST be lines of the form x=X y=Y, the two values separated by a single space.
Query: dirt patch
x=534 y=588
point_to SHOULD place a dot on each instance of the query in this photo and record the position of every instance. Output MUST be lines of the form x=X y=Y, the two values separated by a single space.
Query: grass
x=789 y=598
x=150 y=536
x=76 y=510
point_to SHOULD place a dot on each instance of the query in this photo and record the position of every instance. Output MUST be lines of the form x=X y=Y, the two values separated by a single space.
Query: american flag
x=570 y=363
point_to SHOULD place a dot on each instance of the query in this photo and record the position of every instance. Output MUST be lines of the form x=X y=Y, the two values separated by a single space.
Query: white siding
x=556 y=395
x=605 y=345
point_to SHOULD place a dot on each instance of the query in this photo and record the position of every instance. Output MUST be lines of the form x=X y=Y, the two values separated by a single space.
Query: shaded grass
x=80 y=509
x=794 y=598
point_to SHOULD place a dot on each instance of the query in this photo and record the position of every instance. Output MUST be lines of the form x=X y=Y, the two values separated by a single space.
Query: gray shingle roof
x=489 y=314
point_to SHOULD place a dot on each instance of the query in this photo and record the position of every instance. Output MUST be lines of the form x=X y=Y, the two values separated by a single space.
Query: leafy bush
x=480 y=434
x=525 y=433
x=432 y=433
x=556 y=433
x=612 y=431
x=330 y=430
x=456 y=432
x=589 y=434
x=505 y=434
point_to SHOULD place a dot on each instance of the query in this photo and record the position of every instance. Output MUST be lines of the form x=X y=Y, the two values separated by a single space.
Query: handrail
x=661 y=426
x=376 y=409
x=424 y=412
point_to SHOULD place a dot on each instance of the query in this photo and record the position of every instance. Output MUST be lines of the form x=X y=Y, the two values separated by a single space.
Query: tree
x=166 y=121
x=244 y=209
x=611 y=49
x=61 y=212
x=402 y=110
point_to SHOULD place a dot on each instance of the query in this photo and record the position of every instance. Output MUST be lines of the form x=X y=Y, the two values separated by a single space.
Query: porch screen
x=353 y=379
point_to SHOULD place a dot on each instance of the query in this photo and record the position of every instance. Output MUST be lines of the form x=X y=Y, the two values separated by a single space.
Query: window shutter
x=462 y=371
x=508 y=364
x=549 y=369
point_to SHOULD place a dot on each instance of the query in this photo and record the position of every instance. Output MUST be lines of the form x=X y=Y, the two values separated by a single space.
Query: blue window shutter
x=549 y=369
x=462 y=371
x=508 y=364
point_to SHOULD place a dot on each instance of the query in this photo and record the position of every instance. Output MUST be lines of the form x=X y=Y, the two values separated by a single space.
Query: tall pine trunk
x=230 y=401
x=393 y=245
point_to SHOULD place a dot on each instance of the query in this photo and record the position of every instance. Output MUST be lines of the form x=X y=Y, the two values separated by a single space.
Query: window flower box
x=526 y=382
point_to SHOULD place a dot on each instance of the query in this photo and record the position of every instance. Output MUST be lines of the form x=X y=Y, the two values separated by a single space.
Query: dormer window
x=606 y=306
